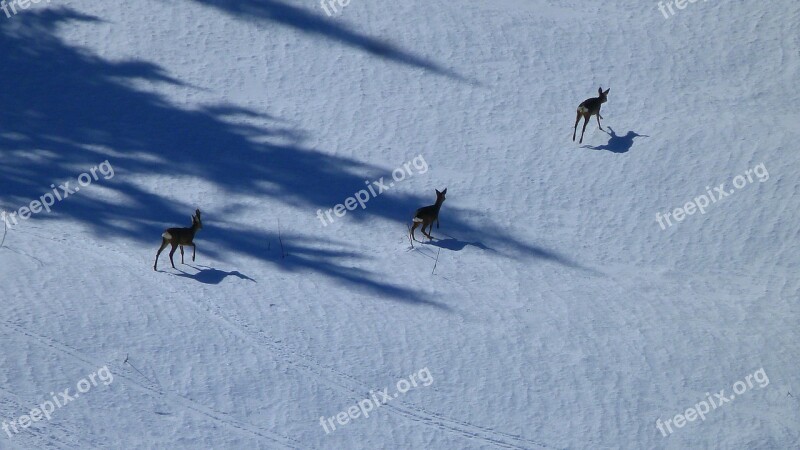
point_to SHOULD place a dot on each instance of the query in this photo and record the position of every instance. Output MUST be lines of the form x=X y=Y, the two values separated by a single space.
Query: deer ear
x=600 y=91
x=444 y=191
x=437 y=191
x=606 y=92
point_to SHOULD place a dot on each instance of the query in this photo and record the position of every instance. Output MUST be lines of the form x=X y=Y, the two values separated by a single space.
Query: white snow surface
x=560 y=314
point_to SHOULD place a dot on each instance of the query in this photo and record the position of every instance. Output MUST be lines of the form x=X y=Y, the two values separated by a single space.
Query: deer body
x=426 y=215
x=588 y=108
x=179 y=237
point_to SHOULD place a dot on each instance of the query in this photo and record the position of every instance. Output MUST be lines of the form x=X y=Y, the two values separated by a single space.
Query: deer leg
x=414 y=227
x=575 y=130
x=598 y=122
x=163 y=245
x=172 y=252
x=585 y=122
x=430 y=228
x=194 y=249
x=182 y=255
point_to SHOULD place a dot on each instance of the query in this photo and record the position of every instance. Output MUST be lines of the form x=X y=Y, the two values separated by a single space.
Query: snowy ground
x=560 y=313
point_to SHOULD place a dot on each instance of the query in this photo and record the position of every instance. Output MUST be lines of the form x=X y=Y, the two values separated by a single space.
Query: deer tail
x=166 y=235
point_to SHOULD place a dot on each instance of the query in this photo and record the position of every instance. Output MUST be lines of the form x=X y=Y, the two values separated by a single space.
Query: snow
x=559 y=315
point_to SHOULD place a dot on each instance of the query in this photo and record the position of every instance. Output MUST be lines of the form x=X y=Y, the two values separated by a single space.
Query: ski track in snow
x=355 y=389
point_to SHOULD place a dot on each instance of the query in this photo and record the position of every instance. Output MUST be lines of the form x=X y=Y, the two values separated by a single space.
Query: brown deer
x=178 y=237
x=589 y=108
x=427 y=215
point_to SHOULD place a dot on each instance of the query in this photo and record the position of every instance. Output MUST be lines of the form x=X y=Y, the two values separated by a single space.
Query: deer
x=589 y=108
x=427 y=215
x=178 y=237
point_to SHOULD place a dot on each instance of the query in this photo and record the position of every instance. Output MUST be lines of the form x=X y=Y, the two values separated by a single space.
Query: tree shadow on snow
x=64 y=110
x=617 y=144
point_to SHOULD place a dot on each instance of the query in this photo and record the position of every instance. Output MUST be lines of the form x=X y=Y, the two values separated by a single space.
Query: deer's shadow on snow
x=210 y=275
x=617 y=143
x=456 y=245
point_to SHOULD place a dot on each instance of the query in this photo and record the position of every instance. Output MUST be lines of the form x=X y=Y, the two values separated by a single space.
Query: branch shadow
x=616 y=143
x=273 y=11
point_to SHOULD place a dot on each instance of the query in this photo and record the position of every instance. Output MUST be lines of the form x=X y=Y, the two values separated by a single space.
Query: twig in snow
x=283 y=253
x=5 y=230
x=134 y=368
